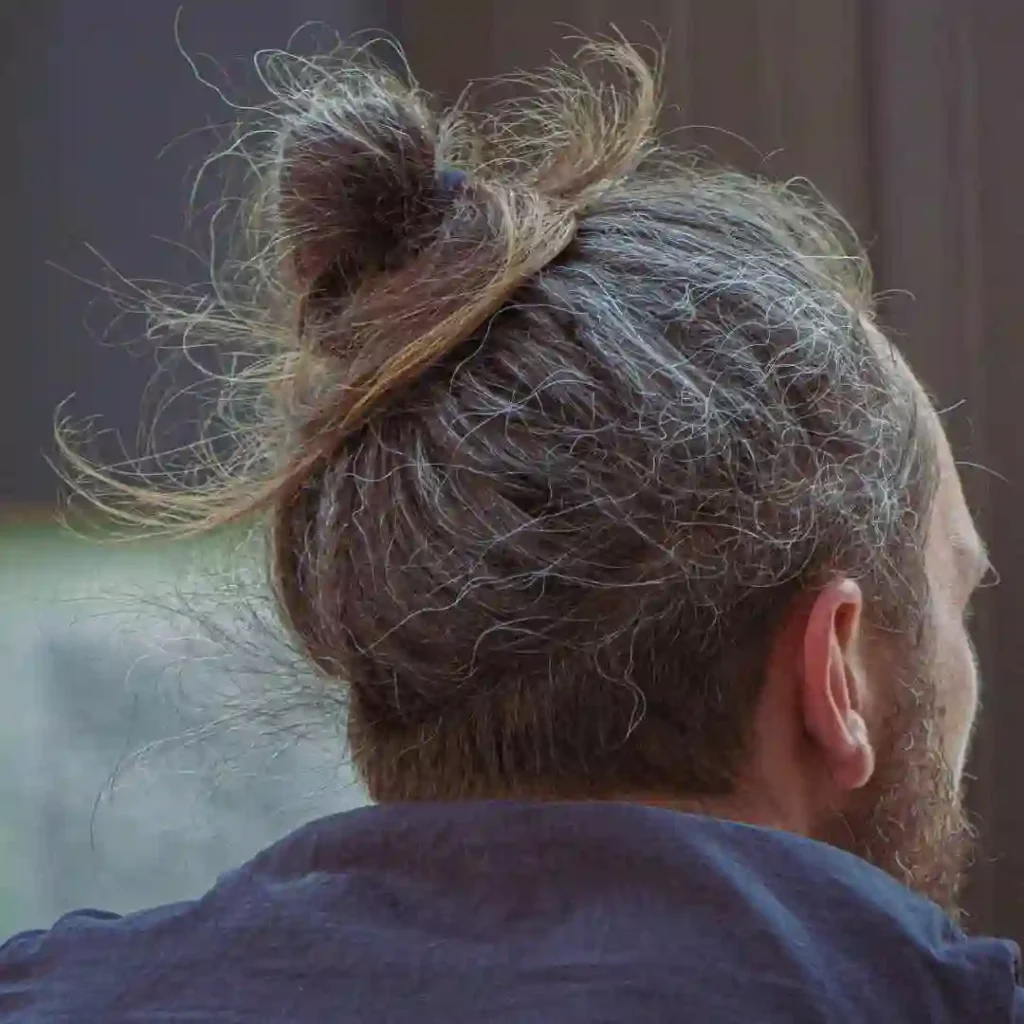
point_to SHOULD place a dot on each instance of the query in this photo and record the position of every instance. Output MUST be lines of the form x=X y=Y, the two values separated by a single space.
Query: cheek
x=957 y=684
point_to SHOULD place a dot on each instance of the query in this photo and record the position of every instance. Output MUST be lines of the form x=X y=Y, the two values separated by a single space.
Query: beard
x=909 y=820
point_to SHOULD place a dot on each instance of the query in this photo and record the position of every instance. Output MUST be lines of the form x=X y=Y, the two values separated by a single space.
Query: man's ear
x=834 y=686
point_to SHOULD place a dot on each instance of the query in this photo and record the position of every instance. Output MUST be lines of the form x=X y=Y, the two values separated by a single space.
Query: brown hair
x=549 y=427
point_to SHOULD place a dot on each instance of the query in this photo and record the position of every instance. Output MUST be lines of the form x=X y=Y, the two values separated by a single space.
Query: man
x=643 y=561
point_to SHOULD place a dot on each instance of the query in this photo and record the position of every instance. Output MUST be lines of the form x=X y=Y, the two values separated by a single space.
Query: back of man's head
x=587 y=474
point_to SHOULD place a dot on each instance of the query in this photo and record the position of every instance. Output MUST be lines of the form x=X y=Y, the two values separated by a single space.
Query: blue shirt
x=501 y=912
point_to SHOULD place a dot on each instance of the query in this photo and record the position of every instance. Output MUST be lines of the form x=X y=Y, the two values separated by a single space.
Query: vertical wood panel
x=812 y=58
x=996 y=355
x=448 y=42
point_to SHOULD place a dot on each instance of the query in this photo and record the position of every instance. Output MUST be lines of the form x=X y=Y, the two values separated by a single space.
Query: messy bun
x=357 y=185
x=396 y=257
x=536 y=423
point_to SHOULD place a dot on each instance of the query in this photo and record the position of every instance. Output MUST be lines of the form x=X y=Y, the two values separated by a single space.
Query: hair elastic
x=452 y=179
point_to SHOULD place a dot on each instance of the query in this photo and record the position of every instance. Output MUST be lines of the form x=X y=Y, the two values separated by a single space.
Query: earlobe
x=834 y=687
x=855 y=768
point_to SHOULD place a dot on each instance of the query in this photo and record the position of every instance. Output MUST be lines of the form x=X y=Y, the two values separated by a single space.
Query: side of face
x=956 y=564
x=862 y=736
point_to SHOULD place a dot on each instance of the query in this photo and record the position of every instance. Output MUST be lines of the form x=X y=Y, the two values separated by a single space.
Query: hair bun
x=357 y=182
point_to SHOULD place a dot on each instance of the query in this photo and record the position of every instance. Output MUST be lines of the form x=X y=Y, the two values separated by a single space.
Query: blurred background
x=127 y=775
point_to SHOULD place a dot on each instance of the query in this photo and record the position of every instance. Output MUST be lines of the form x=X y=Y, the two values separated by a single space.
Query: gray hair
x=559 y=437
